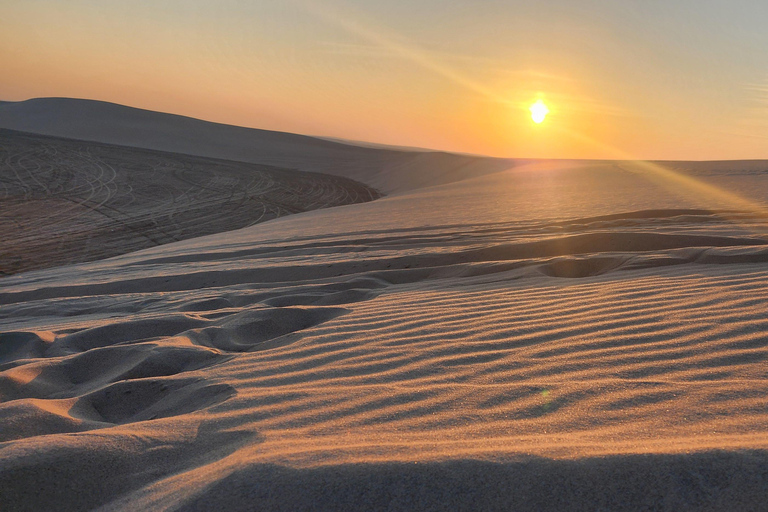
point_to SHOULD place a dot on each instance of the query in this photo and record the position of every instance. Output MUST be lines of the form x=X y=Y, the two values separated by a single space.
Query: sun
x=538 y=111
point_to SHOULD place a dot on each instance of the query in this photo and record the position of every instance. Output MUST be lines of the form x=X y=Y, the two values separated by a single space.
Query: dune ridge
x=65 y=201
x=387 y=170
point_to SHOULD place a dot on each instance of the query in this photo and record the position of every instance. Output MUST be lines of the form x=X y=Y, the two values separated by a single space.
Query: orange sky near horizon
x=650 y=81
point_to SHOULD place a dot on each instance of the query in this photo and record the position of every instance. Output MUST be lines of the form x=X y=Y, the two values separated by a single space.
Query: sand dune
x=528 y=340
x=64 y=201
x=387 y=170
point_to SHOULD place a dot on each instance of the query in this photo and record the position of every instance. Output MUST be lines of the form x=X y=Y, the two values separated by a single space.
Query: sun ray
x=678 y=182
x=396 y=45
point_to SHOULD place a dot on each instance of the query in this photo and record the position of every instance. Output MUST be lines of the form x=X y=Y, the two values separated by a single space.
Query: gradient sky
x=651 y=79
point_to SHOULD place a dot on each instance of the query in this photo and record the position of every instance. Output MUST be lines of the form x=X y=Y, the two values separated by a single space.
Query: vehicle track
x=66 y=201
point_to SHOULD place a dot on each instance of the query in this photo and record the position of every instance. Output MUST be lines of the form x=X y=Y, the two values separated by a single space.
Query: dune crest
x=388 y=170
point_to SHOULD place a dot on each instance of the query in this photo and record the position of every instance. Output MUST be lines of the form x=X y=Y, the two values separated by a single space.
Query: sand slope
x=387 y=170
x=561 y=338
x=66 y=201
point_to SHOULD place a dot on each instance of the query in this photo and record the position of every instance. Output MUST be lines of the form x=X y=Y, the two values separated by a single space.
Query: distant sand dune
x=64 y=201
x=386 y=169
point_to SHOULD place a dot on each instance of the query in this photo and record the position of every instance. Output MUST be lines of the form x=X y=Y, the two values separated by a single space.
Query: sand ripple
x=612 y=363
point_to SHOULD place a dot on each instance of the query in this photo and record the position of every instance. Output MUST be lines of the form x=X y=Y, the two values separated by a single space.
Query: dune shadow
x=713 y=481
x=83 y=472
x=261 y=328
x=580 y=267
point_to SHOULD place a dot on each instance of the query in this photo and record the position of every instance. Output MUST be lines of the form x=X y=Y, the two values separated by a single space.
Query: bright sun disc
x=538 y=111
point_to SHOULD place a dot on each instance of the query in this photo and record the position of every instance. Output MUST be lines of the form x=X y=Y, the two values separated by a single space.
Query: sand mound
x=23 y=345
x=261 y=328
x=148 y=399
x=65 y=201
x=102 y=386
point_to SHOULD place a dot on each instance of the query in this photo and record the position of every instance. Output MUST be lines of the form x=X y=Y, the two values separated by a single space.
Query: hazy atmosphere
x=623 y=79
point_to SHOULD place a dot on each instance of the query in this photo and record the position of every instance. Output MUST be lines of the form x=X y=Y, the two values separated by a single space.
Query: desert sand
x=387 y=170
x=68 y=201
x=548 y=336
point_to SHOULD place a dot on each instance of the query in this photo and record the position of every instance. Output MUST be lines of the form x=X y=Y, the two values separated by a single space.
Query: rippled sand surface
x=559 y=336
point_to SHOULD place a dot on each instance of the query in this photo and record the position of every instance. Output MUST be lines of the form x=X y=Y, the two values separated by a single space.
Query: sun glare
x=538 y=111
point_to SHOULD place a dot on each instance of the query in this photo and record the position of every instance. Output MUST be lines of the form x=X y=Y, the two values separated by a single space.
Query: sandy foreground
x=553 y=337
